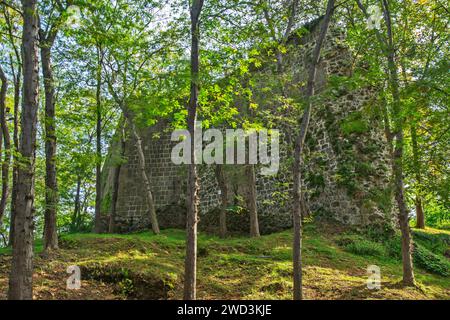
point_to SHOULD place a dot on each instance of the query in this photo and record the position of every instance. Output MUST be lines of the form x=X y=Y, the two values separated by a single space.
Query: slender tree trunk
x=21 y=277
x=407 y=247
x=142 y=169
x=148 y=190
x=251 y=200
x=7 y=144
x=1 y=161
x=84 y=205
x=297 y=188
x=420 y=216
x=190 y=268
x=397 y=150
x=116 y=186
x=98 y=163
x=17 y=83
x=420 y=223
x=5 y=243
x=221 y=181
x=291 y=20
x=77 y=206
x=284 y=38
x=141 y=157
x=115 y=193
x=51 y=186
x=387 y=127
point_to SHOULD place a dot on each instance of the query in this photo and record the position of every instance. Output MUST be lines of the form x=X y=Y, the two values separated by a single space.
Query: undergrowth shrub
x=437 y=243
x=422 y=257
x=430 y=261
x=428 y=251
x=366 y=248
x=361 y=246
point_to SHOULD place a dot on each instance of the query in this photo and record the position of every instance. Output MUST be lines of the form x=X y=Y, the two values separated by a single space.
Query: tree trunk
x=221 y=181
x=190 y=268
x=17 y=83
x=407 y=247
x=115 y=194
x=387 y=127
x=84 y=205
x=1 y=161
x=77 y=207
x=115 y=191
x=21 y=277
x=148 y=190
x=51 y=186
x=141 y=157
x=7 y=144
x=5 y=243
x=420 y=216
x=297 y=188
x=98 y=163
x=291 y=20
x=251 y=200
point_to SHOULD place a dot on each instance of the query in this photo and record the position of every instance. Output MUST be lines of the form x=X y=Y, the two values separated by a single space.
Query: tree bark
x=420 y=216
x=251 y=200
x=77 y=207
x=292 y=14
x=281 y=42
x=190 y=269
x=51 y=185
x=148 y=189
x=115 y=194
x=221 y=181
x=141 y=157
x=7 y=144
x=21 y=277
x=387 y=127
x=5 y=243
x=397 y=150
x=98 y=163
x=297 y=188
x=17 y=84
x=1 y=161
x=407 y=247
x=84 y=204
x=112 y=218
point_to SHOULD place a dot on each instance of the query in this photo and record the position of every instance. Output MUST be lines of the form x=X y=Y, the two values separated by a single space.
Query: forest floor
x=147 y=266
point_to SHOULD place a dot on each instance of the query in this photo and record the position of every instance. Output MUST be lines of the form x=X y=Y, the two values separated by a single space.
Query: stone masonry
x=346 y=164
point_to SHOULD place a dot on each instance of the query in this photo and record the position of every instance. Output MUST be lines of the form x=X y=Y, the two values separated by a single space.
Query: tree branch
x=11 y=6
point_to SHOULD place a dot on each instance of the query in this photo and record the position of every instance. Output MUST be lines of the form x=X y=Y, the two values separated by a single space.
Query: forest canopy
x=81 y=77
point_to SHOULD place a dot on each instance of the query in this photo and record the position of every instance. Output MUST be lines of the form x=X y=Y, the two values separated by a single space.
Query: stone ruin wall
x=327 y=193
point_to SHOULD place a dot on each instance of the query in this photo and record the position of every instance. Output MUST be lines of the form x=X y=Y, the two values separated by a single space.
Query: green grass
x=429 y=248
x=243 y=268
x=38 y=248
x=366 y=248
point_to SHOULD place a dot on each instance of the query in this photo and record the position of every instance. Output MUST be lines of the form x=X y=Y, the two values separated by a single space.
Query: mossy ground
x=147 y=266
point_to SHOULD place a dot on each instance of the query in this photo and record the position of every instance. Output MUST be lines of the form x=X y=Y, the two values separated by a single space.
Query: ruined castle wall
x=165 y=177
x=346 y=167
